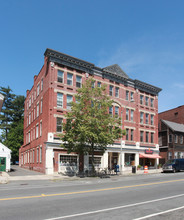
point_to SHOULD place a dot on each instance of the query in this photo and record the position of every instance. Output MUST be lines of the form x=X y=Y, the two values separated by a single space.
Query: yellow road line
x=90 y=191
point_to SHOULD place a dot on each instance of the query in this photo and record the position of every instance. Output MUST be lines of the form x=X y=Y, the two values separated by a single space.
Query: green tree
x=89 y=127
x=18 y=108
x=15 y=139
x=11 y=121
x=6 y=112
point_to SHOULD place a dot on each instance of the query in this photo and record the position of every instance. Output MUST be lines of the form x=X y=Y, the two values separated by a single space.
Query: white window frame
x=78 y=81
x=68 y=103
x=60 y=100
x=60 y=76
x=69 y=80
x=37 y=130
x=117 y=92
x=111 y=90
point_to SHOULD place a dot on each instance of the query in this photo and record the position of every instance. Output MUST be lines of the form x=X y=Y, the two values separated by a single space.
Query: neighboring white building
x=5 y=158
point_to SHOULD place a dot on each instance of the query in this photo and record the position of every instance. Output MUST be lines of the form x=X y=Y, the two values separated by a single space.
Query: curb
x=5 y=178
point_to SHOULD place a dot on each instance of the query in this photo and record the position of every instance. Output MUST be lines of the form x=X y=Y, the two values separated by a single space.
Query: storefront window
x=129 y=159
x=68 y=160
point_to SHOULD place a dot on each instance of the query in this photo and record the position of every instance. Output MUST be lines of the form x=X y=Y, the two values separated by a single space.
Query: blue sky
x=145 y=37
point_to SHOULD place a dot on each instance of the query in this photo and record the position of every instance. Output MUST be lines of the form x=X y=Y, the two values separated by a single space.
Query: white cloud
x=179 y=85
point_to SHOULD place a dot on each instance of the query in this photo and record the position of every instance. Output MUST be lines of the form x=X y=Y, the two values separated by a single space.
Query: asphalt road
x=156 y=196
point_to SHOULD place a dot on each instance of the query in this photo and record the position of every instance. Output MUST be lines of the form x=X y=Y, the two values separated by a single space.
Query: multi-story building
x=171 y=134
x=50 y=98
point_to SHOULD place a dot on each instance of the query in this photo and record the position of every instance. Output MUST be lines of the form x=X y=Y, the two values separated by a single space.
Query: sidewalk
x=5 y=177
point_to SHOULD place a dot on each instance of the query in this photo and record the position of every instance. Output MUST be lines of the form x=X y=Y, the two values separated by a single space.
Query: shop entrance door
x=2 y=163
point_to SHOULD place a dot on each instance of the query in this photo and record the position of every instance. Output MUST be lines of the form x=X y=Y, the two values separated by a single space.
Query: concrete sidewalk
x=5 y=177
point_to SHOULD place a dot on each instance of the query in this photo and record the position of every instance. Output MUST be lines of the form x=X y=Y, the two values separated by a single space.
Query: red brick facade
x=47 y=101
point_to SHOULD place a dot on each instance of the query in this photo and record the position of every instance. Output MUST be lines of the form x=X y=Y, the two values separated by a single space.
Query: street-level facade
x=5 y=158
x=50 y=98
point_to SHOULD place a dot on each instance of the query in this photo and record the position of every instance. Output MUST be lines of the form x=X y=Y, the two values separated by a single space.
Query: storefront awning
x=152 y=156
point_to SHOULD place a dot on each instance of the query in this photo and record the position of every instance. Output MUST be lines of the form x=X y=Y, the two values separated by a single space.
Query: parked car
x=16 y=162
x=173 y=165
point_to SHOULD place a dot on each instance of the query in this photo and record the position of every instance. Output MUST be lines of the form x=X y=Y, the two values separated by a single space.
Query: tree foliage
x=11 y=121
x=7 y=110
x=89 y=127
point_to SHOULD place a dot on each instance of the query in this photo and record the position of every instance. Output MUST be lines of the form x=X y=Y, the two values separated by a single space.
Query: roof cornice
x=147 y=87
x=112 y=72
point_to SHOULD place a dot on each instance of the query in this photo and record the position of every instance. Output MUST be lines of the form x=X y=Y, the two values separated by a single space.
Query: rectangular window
x=146 y=101
x=110 y=110
x=117 y=92
x=33 y=156
x=176 y=138
x=41 y=84
x=127 y=95
x=132 y=115
x=141 y=136
x=33 y=133
x=35 y=94
x=29 y=102
x=152 y=138
x=152 y=104
x=37 y=131
x=93 y=85
x=127 y=134
x=181 y=139
x=29 y=137
x=37 y=109
x=34 y=113
x=147 y=118
x=111 y=90
x=37 y=155
x=147 y=137
x=29 y=118
x=141 y=117
x=141 y=99
x=69 y=102
x=38 y=89
x=78 y=81
x=170 y=138
x=59 y=127
x=40 y=154
x=152 y=119
x=169 y=155
x=32 y=116
x=99 y=84
x=41 y=128
x=69 y=79
x=131 y=96
x=60 y=100
x=60 y=76
x=127 y=114
x=41 y=106
x=116 y=110
x=132 y=135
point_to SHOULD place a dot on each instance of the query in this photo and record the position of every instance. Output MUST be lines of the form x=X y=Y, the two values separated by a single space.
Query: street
x=156 y=196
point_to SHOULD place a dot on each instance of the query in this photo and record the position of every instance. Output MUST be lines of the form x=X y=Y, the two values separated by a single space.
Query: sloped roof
x=3 y=148
x=174 y=126
x=115 y=69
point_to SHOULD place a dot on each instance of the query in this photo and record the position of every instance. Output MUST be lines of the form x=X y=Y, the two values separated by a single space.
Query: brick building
x=171 y=134
x=49 y=99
